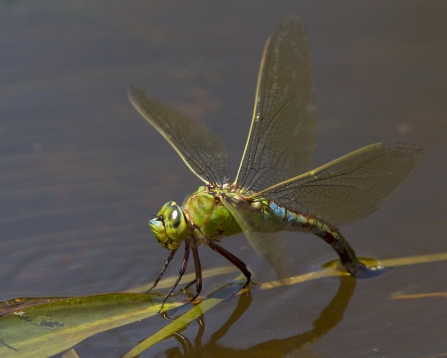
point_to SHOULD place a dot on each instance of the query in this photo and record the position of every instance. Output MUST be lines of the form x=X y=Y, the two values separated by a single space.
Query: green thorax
x=205 y=211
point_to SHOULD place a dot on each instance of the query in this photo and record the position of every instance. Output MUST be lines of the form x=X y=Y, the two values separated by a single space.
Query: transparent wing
x=271 y=246
x=202 y=151
x=349 y=187
x=281 y=141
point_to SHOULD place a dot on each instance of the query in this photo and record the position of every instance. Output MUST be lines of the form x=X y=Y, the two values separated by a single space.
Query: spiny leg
x=170 y=257
x=189 y=284
x=181 y=272
x=198 y=267
x=233 y=259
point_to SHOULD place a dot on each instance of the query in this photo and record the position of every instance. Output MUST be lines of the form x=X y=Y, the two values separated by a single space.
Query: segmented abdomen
x=294 y=221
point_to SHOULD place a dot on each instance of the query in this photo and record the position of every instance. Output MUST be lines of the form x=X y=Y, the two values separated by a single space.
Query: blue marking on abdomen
x=278 y=210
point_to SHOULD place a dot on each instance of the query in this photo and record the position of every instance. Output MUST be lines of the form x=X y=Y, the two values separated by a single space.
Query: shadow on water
x=294 y=346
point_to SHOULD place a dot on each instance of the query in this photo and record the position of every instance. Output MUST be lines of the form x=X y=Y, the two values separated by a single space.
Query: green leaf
x=221 y=294
x=42 y=327
x=53 y=327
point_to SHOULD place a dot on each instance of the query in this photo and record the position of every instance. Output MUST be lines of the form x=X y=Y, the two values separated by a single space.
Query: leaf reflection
x=293 y=346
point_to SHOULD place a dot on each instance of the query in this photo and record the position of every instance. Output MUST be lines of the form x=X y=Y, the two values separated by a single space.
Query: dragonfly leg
x=347 y=254
x=181 y=272
x=170 y=257
x=198 y=267
x=233 y=259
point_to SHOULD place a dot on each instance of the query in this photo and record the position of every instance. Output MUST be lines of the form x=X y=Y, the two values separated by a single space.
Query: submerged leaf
x=53 y=327
x=42 y=327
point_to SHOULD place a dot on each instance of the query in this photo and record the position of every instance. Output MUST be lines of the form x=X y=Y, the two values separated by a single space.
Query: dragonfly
x=275 y=188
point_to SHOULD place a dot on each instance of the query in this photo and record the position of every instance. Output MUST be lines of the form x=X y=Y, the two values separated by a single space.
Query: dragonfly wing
x=270 y=246
x=281 y=141
x=202 y=151
x=349 y=187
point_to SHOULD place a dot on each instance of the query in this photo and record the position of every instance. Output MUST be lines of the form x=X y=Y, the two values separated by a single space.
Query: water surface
x=80 y=170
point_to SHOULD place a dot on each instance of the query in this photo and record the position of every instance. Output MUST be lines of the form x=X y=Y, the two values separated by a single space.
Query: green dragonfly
x=275 y=189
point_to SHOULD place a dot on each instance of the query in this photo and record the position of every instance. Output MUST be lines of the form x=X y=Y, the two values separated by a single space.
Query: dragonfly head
x=169 y=226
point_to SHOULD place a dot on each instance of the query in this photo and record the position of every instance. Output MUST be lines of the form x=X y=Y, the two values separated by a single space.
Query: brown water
x=80 y=169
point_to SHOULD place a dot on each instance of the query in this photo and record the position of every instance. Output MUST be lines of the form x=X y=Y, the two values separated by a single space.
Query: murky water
x=80 y=169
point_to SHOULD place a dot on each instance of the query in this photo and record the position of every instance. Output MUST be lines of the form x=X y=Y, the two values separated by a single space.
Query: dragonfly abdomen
x=295 y=221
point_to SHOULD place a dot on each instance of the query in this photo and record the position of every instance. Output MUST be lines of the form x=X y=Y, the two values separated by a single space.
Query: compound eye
x=175 y=218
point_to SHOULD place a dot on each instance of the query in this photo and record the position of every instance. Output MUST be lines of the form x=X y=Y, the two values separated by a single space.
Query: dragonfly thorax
x=207 y=216
x=169 y=227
